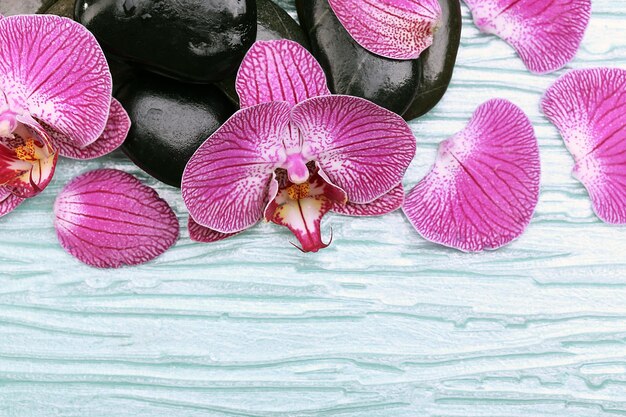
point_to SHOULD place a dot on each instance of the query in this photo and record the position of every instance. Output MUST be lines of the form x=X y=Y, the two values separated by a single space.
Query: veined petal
x=8 y=201
x=279 y=70
x=300 y=208
x=362 y=148
x=484 y=187
x=56 y=70
x=386 y=204
x=545 y=33
x=108 y=218
x=225 y=183
x=397 y=29
x=589 y=109
x=203 y=234
x=30 y=155
x=114 y=134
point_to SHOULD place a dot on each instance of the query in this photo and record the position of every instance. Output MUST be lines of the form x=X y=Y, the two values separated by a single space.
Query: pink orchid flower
x=294 y=152
x=396 y=29
x=55 y=99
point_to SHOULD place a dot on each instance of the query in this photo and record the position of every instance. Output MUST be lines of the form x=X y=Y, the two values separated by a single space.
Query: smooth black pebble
x=197 y=41
x=438 y=61
x=170 y=120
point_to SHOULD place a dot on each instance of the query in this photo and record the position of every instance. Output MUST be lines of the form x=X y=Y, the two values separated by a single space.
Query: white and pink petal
x=226 y=182
x=362 y=148
x=54 y=68
x=482 y=191
x=108 y=219
x=279 y=70
x=588 y=107
x=545 y=33
x=396 y=29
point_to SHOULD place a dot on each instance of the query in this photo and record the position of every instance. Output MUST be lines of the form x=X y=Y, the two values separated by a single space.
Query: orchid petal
x=484 y=187
x=225 y=183
x=386 y=204
x=545 y=33
x=362 y=148
x=300 y=208
x=397 y=29
x=8 y=201
x=589 y=109
x=279 y=70
x=108 y=218
x=114 y=134
x=203 y=234
x=54 y=68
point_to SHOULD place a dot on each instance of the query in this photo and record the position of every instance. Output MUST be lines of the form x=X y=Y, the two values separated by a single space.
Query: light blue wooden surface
x=381 y=323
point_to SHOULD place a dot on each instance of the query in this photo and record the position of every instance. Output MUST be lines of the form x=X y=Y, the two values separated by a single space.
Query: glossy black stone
x=438 y=61
x=272 y=23
x=170 y=120
x=350 y=68
x=191 y=40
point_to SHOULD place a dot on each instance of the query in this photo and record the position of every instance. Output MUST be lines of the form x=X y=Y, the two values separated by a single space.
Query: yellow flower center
x=26 y=152
x=299 y=191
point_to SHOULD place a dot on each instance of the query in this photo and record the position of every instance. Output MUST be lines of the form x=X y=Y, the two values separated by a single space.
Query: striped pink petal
x=53 y=68
x=397 y=29
x=279 y=70
x=362 y=148
x=203 y=234
x=8 y=201
x=225 y=183
x=114 y=134
x=484 y=187
x=108 y=218
x=386 y=204
x=589 y=108
x=545 y=33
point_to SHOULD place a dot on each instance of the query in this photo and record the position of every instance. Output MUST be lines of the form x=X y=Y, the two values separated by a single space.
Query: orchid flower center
x=296 y=167
x=26 y=160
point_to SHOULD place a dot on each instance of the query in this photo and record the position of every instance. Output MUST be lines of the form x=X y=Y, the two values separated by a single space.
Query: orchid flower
x=294 y=152
x=396 y=29
x=545 y=33
x=55 y=99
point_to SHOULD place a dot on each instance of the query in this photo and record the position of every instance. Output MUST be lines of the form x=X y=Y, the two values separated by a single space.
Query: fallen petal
x=8 y=201
x=114 y=134
x=386 y=204
x=484 y=187
x=55 y=68
x=397 y=29
x=225 y=183
x=203 y=234
x=546 y=33
x=108 y=218
x=279 y=70
x=589 y=108
x=362 y=148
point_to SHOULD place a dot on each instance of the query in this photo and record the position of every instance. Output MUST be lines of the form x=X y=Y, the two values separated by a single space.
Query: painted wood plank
x=381 y=323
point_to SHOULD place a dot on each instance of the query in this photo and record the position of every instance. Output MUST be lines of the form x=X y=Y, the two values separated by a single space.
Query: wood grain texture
x=380 y=324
